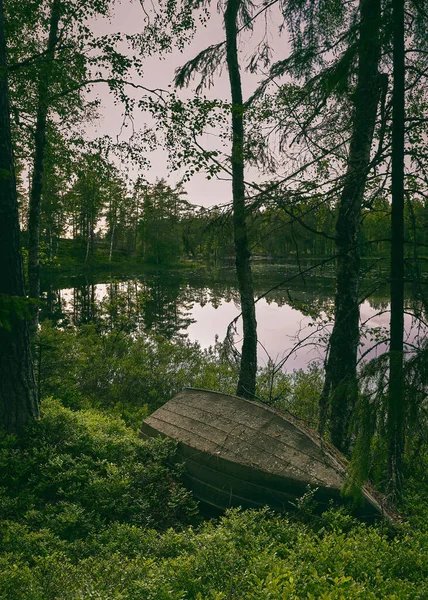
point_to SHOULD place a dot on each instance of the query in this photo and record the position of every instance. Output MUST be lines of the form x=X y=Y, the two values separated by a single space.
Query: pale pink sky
x=129 y=18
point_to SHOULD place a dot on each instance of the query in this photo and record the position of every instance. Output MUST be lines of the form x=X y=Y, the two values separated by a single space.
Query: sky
x=159 y=72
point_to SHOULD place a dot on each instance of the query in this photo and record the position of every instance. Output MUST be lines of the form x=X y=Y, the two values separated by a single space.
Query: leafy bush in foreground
x=135 y=373
x=75 y=472
x=85 y=505
x=125 y=372
x=246 y=556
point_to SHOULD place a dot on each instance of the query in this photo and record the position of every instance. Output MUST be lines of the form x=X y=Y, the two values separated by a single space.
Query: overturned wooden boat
x=242 y=453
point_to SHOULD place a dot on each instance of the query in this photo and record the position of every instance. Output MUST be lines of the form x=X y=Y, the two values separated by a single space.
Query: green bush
x=125 y=372
x=253 y=555
x=74 y=472
x=90 y=510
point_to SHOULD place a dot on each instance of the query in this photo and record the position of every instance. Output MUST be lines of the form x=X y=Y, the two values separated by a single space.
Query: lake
x=294 y=318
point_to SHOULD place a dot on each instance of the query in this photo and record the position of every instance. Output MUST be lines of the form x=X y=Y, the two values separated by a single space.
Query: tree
x=341 y=384
x=162 y=207
x=18 y=398
x=116 y=200
x=86 y=199
x=58 y=173
x=44 y=84
x=247 y=373
x=396 y=411
x=191 y=152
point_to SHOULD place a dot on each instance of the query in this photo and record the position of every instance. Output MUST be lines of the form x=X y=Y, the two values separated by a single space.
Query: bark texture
x=395 y=425
x=247 y=375
x=39 y=159
x=18 y=401
x=341 y=386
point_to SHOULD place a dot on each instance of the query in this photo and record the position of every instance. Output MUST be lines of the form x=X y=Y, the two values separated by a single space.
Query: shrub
x=252 y=555
x=92 y=511
x=129 y=374
x=74 y=472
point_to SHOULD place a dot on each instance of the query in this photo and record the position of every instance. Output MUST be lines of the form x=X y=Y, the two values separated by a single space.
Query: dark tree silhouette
x=18 y=400
x=39 y=160
x=341 y=385
x=247 y=375
x=396 y=381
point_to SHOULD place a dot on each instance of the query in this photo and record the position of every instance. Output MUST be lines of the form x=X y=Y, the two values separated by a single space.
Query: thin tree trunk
x=341 y=386
x=247 y=375
x=49 y=235
x=111 y=242
x=395 y=425
x=88 y=240
x=38 y=166
x=18 y=396
x=92 y=238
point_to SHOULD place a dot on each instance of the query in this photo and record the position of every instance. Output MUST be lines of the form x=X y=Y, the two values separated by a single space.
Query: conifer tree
x=340 y=391
x=248 y=368
x=18 y=396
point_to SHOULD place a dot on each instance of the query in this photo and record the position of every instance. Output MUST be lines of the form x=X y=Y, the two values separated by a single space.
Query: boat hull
x=241 y=453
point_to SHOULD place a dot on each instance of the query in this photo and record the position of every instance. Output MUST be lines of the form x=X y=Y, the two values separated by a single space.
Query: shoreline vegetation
x=71 y=255
x=89 y=509
x=71 y=259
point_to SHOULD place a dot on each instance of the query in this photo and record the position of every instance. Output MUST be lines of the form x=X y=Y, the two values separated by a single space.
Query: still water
x=294 y=318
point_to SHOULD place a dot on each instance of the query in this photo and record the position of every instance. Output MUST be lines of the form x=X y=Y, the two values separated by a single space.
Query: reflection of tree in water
x=84 y=305
x=378 y=304
x=157 y=302
x=200 y=296
x=167 y=307
x=78 y=309
x=53 y=306
x=162 y=301
x=121 y=305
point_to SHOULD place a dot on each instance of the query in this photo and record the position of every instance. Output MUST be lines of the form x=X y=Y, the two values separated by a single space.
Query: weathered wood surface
x=241 y=453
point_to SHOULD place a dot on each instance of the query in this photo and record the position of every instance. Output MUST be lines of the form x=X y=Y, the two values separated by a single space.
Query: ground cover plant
x=90 y=510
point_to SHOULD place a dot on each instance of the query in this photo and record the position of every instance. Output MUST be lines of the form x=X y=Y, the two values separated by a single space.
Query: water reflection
x=293 y=322
x=160 y=305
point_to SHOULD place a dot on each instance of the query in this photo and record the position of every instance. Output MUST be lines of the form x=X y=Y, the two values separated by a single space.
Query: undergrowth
x=90 y=510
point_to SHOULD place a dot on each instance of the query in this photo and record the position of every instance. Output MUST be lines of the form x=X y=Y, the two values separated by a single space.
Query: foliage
x=89 y=509
x=156 y=224
x=303 y=402
x=13 y=307
x=162 y=210
x=115 y=365
x=253 y=555
x=296 y=393
x=370 y=450
x=74 y=473
x=124 y=371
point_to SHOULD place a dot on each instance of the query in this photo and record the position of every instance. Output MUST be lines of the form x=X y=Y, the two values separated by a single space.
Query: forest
x=306 y=122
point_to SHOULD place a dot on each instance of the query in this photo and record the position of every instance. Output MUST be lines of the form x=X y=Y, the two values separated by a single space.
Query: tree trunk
x=111 y=242
x=38 y=166
x=341 y=386
x=395 y=425
x=88 y=243
x=247 y=375
x=18 y=398
x=92 y=237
